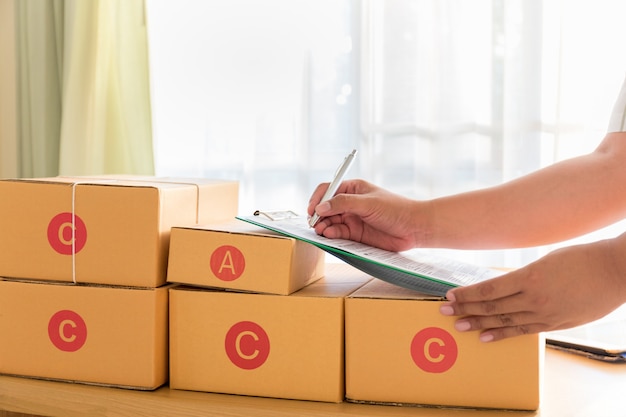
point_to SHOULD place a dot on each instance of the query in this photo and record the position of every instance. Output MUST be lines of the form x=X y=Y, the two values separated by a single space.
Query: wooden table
x=573 y=386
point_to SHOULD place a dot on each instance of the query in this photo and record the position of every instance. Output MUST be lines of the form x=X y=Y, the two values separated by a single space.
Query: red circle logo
x=434 y=350
x=227 y=263
x=62 y=232
x=67 y=331
x=247 y=345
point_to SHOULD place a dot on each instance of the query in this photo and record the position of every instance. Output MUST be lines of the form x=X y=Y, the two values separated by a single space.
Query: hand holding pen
x=334 y=185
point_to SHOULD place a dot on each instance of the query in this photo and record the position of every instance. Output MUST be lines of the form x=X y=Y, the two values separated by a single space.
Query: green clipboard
x=420 y=271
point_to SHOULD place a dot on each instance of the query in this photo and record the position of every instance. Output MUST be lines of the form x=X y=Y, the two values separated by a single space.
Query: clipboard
x=418 y=270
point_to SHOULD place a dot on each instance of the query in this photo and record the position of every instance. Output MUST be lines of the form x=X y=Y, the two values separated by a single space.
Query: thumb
x=353 y=204
x=323 y=208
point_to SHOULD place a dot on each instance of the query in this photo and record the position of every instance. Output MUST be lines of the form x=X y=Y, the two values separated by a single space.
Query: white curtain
x=438 y=96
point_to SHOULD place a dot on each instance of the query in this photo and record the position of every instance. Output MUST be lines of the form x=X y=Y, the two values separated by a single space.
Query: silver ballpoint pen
x=334 y=185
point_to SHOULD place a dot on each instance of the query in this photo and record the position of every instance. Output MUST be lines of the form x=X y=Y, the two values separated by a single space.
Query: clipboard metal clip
x=277 y=215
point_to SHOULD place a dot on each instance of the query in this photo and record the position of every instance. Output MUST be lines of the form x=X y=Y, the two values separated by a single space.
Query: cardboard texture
x=240 y=256
x=90 y=334
x=260 y=344
x=102 y=230
x=399 y=349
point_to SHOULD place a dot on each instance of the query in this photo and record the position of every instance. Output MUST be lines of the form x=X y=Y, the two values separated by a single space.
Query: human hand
x=566 y=288
x=365 y=213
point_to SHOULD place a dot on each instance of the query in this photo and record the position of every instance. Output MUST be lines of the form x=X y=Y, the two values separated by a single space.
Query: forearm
x=553 y=204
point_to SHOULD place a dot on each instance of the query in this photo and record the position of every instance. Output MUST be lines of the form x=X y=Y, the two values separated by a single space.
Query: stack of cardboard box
x=90 y=267
x=268 y=327
x=272 y=324
x=83 y=261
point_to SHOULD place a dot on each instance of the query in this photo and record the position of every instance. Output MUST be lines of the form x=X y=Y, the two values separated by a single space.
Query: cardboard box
x=284 y=346
x=91 y=334
x=400 y=349
x=102 y=230
x=240 y=256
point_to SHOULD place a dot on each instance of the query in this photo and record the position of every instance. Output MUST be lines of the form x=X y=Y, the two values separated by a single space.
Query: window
x=438 y=96
x=263 y=92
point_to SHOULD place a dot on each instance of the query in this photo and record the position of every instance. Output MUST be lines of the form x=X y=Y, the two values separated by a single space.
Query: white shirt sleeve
x=617 y=123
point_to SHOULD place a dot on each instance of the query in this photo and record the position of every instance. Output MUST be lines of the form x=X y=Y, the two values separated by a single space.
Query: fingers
x=331 y=212
x=493 y=335
x=354 y=187
x=500 y=326
x=497 y=307
x=337 y=231
x=493 y=289
x=505 y=305
x=316 y=197
x=496 y=321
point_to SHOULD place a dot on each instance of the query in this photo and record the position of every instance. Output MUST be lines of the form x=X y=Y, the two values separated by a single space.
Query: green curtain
x=39 y=60
x=8 y=91
x=83 y=88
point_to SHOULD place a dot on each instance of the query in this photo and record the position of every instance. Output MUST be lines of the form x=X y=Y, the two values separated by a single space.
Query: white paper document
x=417 y=269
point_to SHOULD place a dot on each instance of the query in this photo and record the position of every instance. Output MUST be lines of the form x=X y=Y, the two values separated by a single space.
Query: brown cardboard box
x=122 y=226
x=284 y=346
x=240 y=256
x=399 y=349
x=92 y=334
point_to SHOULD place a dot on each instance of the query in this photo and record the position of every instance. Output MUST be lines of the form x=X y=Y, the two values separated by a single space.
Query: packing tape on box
x=74 y=233
x=74 y=184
